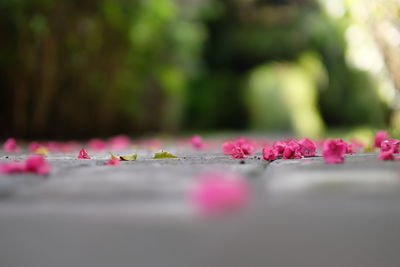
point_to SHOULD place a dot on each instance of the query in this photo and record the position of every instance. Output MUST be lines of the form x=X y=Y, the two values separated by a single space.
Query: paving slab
x=301 y=213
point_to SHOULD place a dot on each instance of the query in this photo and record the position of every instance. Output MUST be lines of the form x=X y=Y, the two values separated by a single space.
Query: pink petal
x=227 y=147
x=380 y=136
x=269 y=153
x=196 y=141
x=37 y=164
x=113 y=161
x=334 y=150
x=97 y=144
x=219 y=192
x=120 y=142
x=238 y=153
x=83 y=154
x=11 y=145
x=308 y=148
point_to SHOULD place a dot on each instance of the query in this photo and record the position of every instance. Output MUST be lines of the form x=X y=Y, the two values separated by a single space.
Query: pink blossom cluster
x=239 y=148
x=290 y=149
x=33 y=164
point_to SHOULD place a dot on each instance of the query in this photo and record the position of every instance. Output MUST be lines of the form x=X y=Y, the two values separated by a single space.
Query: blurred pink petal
x=11 y=145
x=386 y=155
x=380 y=136
x=269 y=153
x=97 y=144
x=196 y=141
x=12 y=167
x=215 y=193
x=120 y=142
x=83 y=154
x=34 y=164
x=334 y=150
x=227 y=147
x=33 y=146
x=350 y=148
x=308 y=148
x=37 y=164
x=113 y=161
x=390 y=144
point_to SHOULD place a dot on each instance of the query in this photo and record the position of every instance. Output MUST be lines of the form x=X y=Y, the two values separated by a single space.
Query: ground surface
x=301 y=213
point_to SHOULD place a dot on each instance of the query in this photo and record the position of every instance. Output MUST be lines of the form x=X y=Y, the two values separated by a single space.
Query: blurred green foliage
x=84 y=68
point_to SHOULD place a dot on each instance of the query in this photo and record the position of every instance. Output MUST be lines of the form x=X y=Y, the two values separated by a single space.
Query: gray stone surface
x=301 y=213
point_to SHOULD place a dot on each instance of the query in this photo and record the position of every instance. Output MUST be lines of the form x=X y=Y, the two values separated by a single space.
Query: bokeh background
x=78 y=69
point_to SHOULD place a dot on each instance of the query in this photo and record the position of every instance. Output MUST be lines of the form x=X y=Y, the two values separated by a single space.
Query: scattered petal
x=33 y=146
x=380 y=136
x=197 y=142
x=386 y=155
x=334 y=150
x=37 y=164
x=292 y=150
x=120 y=142
x=227 y=147
x=308 y=148
x=113 y=161
x=11 y=145
x=83 y=154
x=216 y=193
x=390 y=144
x=238 y=153
x=97 y=144
x=33 y=164
x=269 y=153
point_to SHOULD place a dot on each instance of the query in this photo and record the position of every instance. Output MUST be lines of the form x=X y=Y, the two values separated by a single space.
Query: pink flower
x=120 y=142
x=279 y=147
x=34 y=164
x=386 y=155
x=380 y=136
x=227 y=147
x=269 y=153
x=97 y=144
x=292 y=150
x=113 y=161
x=196 y=141
x=390 y=144
x=83 y=154
x=37 y=164
x=215 y=193
x=11 y=145
x=334 y=150
x=238 y=153
x=308 y=148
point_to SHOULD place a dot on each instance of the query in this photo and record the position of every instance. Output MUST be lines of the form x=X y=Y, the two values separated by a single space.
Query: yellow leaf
x=129 y=157
x=42 y=150
x=164 y=155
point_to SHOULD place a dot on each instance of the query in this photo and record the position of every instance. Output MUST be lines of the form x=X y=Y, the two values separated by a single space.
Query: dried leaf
x=164 y=155
x=128 y=157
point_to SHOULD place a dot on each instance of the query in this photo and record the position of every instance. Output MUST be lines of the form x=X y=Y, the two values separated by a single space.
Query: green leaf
x=128 y=157
x=164 y=155
x=113 y=156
